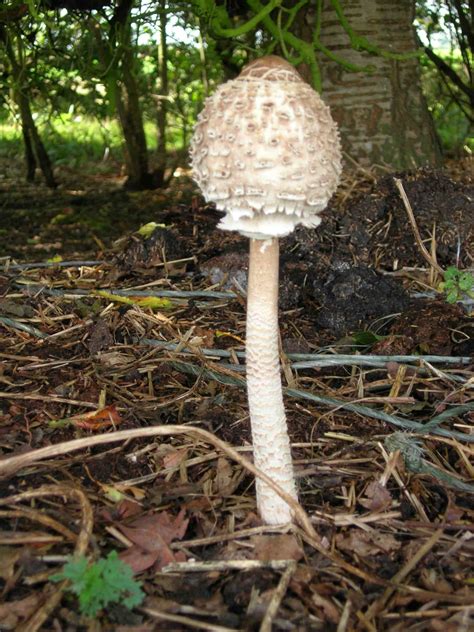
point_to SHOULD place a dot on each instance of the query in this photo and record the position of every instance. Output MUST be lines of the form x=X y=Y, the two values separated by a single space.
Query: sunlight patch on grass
x=75 y=141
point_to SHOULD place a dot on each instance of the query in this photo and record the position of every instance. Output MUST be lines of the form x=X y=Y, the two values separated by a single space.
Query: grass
x=77 y=141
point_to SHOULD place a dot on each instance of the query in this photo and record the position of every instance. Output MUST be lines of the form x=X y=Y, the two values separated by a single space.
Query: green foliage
x=452 y=125
x=100 y=583
x=77 y=141
x=445 y=29
x=457 y=284
x=365 y=338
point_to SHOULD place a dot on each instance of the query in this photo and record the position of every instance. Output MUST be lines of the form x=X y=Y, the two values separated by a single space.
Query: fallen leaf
x=16 y=309
x=367 y=544
x=95 y=420
x=174 y=458
x=13 y=612
x=330 y=612
x=151 y=536
x=228 y=334
x=276 y=547
x=377 y=497
x=124 y=509
x=100 y=337
x=140 y=560
x=9 y=556
x=147 y=229
x=152 y=302
x=433 y=580
x=223 y=481
x=114 y=359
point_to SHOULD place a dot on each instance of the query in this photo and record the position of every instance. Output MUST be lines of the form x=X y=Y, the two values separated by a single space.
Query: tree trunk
x=161 y=115
x=30 y=159
x=118 y=60
x=131 y=121
x=383 y=116
x=35 y=151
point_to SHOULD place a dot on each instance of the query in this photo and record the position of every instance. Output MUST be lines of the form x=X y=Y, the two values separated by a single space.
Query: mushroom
x=266 y=150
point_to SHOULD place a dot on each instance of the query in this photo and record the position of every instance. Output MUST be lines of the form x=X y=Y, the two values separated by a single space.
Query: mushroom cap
x=266 y=150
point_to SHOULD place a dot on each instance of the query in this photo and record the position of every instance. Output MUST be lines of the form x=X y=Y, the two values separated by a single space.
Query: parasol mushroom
x=266 y=151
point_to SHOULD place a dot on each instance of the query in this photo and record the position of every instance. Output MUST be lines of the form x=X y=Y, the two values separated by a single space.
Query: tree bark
x=131 y=121
x=30 y=160
x=383 y=116
x=161 y=116
x=35 y=151
x=117 y=57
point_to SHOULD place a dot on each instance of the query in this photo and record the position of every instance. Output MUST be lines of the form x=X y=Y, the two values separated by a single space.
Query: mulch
x=124 y=422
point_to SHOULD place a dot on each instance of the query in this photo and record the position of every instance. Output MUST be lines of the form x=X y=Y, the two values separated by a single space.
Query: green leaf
x=451 y=273
x=151 y=302
x=97 y=584
x=466 y=281
x=147 y=229
x=452 y=296
x=366 y=338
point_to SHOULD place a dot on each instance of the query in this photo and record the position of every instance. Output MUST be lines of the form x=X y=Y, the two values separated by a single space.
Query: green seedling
x=147 y=229
x=98 y=584
x=457 y=284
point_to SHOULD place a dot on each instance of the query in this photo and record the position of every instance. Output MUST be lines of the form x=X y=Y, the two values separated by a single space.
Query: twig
x=434 y=264
x=15 y=324
x=344 y=620
x=35 y=622
x=224 y=565
x=278 y=594
x=406 y=424
x=186 y=621
x=309 y=360
x=36 y=288
x=49 y=264
x=11 y=464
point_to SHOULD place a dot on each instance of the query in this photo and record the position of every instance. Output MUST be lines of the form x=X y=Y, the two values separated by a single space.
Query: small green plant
x=98 y=584
x=457 y=284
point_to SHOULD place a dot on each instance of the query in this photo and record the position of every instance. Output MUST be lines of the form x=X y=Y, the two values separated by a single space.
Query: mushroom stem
x=271 y=445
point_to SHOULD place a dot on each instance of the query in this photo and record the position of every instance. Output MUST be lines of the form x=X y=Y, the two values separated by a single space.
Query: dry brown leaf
x=367 y=544
x=174 y=458
x=224 y=484
x=432 y=580
x=124 y=509
x=96 y=420
x=13 y=612
x=377 y=497
x=9 y=556
x=330 y=612
x=276 y=547
x=151 y=535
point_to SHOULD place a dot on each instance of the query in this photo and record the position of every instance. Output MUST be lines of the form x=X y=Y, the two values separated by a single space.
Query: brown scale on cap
x=266 y=151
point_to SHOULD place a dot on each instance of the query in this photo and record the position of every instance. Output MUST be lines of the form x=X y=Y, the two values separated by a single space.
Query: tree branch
x=450 y=73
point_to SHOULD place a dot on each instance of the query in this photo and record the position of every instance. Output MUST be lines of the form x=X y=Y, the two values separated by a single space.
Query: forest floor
x=108 y=331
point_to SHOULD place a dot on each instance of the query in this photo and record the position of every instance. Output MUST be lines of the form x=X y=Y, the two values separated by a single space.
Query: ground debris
x=394 y=548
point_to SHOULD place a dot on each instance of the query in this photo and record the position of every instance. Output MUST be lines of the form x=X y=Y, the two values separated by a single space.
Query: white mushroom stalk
x=267 y=152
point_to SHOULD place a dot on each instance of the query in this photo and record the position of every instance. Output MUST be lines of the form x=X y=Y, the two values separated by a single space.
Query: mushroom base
x=271 y=444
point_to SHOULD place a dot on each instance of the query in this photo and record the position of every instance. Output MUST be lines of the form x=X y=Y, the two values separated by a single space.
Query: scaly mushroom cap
x=266 y=151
